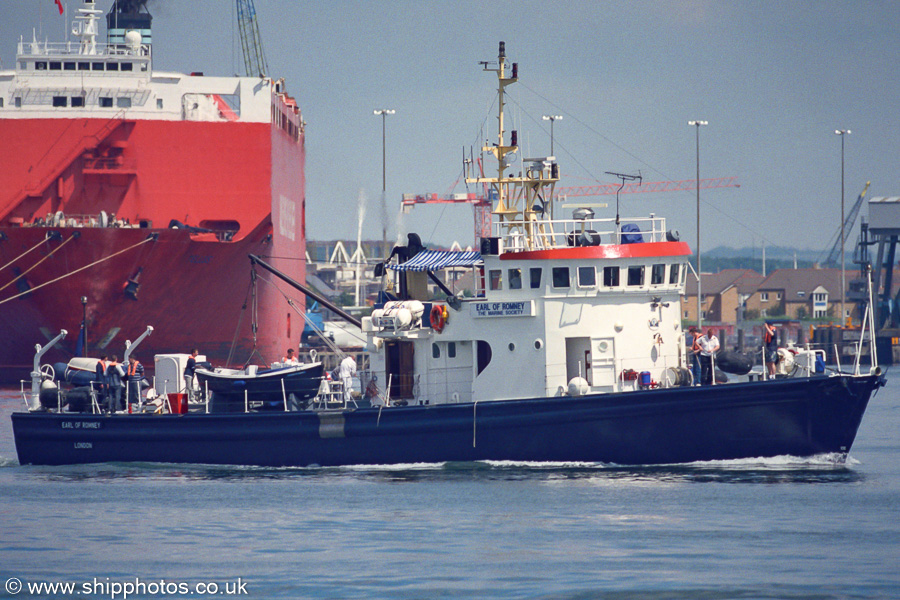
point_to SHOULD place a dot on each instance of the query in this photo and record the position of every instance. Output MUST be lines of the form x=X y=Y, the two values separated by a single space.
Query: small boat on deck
x=237 y=390
x=572 y=349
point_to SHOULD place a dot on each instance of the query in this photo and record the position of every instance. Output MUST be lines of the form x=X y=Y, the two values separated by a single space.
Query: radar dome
x=133 y=39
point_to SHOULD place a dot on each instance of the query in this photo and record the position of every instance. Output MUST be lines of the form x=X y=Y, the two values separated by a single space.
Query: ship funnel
x=126 y=16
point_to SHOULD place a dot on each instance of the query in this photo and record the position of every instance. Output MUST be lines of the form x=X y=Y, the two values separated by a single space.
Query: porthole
x=538 y=344
x=512 y=347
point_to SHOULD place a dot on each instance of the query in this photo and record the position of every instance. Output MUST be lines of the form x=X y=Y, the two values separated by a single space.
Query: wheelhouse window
x=496 y=279
x=69 y=66
x=97 y=66
x=636 y=275
x=106 y=102
x=127 y=66
x=561 y=277
x=536 y=277
x=610 y=276
x=84 y=66
x=55 y=66
x=673 y=274
x=112 y=66
x=657 y=274
x=515 y=279
x=40 y=65
x=77 y=101
x=60 y=101
x=587 y=277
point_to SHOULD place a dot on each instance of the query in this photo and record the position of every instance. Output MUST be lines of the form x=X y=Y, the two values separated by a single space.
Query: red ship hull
x=234 y=179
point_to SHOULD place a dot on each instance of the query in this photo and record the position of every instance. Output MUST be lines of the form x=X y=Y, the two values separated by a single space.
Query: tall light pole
x=843 y=133
x=84 y=323
x=696 y=125
x=552 y=119
x=384 y=112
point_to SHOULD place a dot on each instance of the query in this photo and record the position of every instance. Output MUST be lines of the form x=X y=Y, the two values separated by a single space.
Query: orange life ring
x=437 y=318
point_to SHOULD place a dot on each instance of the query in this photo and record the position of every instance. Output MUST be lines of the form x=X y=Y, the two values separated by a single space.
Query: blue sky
x=774 y=80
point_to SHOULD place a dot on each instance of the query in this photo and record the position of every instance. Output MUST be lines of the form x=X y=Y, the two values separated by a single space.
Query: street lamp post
x=696 y=125
x=552 y=119
x=842 y=133
x=84 y=322
x=384 y=112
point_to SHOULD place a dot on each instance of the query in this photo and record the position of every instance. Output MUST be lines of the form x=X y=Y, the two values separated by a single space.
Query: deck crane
x=251 y=42
x=482 y=204
x=849 y=221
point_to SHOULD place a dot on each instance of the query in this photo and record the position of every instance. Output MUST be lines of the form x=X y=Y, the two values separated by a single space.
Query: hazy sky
x=774 y=79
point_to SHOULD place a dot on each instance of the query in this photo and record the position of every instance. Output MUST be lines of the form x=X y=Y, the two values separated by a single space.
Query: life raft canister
x=437 y=318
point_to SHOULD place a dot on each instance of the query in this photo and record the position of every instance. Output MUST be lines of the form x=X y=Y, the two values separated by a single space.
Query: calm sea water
x=781 y=528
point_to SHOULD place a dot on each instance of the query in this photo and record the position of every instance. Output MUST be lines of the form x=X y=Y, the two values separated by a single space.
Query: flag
x=59 y=6
x=79 y=344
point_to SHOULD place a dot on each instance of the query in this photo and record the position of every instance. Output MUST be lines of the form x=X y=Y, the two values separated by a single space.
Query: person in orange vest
x=102 y=386
x=134 y=374
x=290 y=359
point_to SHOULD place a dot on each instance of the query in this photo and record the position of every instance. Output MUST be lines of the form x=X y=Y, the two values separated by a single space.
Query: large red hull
x=194 y=289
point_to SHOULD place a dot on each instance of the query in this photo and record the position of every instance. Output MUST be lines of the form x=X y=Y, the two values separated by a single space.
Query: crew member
x=189 y=369
x=102 y=381
x=347 y=370
x=709 y=345
x=695 y=354
x=114 y=374
x=134 y=374
x=771 y=348
x=290 y=359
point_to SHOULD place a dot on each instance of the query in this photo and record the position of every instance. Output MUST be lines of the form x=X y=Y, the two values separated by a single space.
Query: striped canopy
x=434 y=260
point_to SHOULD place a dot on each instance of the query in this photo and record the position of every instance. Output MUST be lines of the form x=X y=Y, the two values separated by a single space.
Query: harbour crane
x=835 y=252
x=251 y=41
x=482 y=204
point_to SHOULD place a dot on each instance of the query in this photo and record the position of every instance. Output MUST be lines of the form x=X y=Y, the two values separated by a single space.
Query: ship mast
x=519 y=200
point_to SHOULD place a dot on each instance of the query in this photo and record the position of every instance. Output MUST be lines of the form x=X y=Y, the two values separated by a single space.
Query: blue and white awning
x=434 y=260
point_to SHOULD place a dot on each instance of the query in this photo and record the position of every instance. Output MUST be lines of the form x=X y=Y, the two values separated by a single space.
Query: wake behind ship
x=131 y=196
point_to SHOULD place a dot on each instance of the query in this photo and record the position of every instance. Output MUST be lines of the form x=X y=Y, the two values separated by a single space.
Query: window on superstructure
x=657 y=274
x=55 y=66
x=123 y=102
x=451 y=349
x=69 y=66
x=97 y=66
x=106 y=102
x=84 y=66
x=40 y=65
x=561 y=277
x=127 y=66
x=77 y=101
x=18 y=102
x=1 y=102
x=636 y=275
x=112 y=66
x=496 y=279
x=60 y=101
x=536 y=277
x=515 y=279
x=159 y=103
x=587 y=277
x=673 y=274
x=611 y=276
x=435 y=351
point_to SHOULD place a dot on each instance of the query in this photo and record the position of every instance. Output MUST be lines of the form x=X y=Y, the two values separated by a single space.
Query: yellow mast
x=516 y=195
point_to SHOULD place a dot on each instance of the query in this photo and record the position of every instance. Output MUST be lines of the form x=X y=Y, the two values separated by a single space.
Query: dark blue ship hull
x=799 y=417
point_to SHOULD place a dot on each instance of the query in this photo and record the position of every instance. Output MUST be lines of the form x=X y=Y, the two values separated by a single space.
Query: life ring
x=437 y=318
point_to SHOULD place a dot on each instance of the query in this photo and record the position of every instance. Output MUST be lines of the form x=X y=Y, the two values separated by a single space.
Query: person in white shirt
x=709 y=345
x=347 y=370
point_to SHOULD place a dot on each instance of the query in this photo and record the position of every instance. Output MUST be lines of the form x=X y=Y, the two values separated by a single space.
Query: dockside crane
x=251 y=41
x=849 y=221
x=482 y=204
